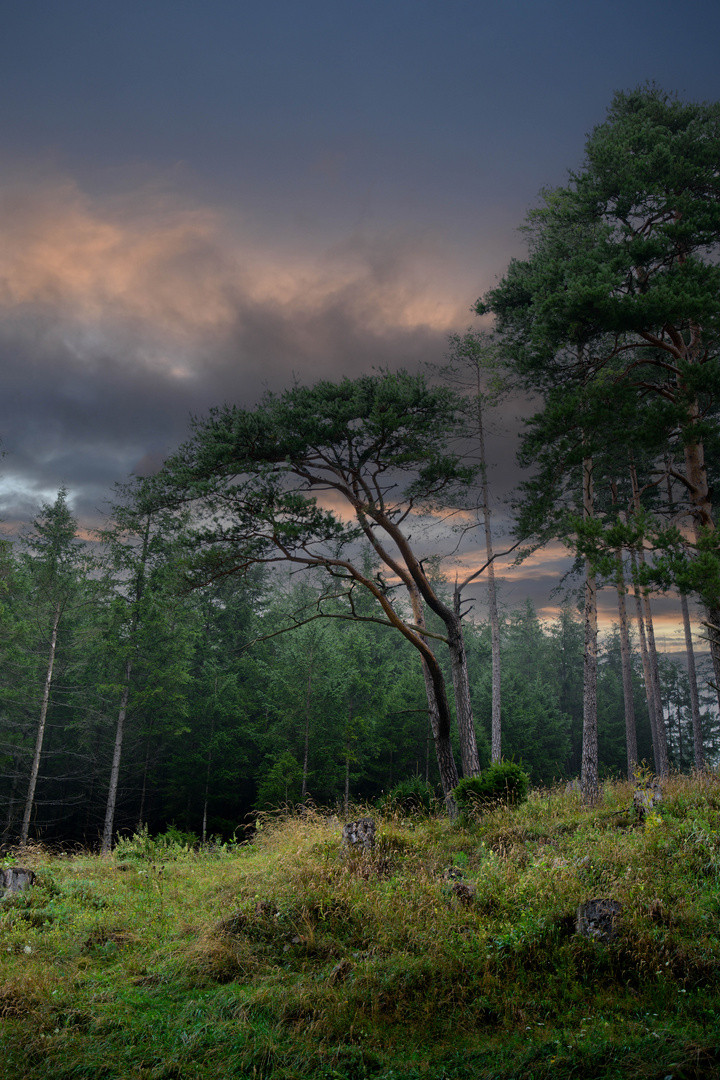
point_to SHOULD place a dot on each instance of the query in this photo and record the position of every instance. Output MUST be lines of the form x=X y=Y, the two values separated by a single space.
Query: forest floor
x=449 y=951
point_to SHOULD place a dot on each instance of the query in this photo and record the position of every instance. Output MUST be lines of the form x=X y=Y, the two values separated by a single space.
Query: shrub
x=504 y=782
x=173 y=844
x=409 y=796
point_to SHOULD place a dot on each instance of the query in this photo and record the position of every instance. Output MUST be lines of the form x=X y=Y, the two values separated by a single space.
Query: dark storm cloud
x=116 y=324
x=198 y=201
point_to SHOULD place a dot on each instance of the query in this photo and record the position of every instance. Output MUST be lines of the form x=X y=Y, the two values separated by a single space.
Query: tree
x=379 y=449
x=475 y=368
x=56 y=563
x=621 y=285
x=138 y=546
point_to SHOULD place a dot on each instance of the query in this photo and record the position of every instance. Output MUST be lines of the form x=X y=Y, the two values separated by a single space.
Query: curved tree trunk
x=438 y=709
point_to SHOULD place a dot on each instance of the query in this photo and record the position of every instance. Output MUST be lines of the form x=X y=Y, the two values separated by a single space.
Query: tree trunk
x=463 y=704
x=209 y=764
x=438 y=710
x=496 y=726
x=306 y=752
x=416 y=582
x=626 y=660
x=348 y=731
x=694 y=697
x=663 y=764
x=589 y=781
x=703 y=520
x=647 y=676
x=115 y=770
x=25 y=830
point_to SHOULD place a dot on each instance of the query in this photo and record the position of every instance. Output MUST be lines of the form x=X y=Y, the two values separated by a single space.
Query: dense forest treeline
x=224 y=715
x=265 y=619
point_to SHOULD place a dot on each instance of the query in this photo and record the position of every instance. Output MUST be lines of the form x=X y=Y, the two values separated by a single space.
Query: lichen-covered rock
x=14 y=879
x=359 y=835
x=598 y=919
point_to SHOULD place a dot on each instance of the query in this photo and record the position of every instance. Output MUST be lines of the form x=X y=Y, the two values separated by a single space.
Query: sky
x=199 y=201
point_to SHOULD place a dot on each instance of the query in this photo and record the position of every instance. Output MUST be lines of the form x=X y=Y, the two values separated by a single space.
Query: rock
x=646 y=797
x=359 y=835
x=597 y=919
x=14 y=879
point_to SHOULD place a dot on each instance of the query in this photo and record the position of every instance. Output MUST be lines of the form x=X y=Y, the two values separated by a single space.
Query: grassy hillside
x=449 y=951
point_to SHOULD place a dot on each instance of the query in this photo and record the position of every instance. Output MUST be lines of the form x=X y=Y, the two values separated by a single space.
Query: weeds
x=447 y=951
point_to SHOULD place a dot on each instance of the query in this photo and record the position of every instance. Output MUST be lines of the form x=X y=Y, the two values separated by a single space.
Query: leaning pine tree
x=306 y=476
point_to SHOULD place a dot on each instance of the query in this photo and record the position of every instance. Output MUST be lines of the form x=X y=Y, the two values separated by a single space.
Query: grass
x=447 y=952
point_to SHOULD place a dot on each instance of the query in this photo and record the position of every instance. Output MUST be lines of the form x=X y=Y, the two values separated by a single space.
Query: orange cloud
x=185 y=271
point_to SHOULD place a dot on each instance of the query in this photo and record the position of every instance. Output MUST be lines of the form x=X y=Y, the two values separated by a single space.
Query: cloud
x=120 y=316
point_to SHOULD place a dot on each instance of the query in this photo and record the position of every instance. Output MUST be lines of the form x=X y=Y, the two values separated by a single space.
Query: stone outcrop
x=598 y=919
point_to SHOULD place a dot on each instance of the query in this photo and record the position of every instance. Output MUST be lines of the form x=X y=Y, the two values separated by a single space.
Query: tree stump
x=646 y=798
x=359 y=835
x=14 y=879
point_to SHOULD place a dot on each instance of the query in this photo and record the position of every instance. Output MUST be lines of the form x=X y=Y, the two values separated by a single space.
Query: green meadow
x=448 y=951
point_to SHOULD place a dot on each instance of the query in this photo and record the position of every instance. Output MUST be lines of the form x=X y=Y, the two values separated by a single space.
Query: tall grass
x=447 y=951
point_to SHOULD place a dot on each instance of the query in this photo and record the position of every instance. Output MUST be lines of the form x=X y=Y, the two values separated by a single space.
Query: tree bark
x=626 y=660
x=662 y=765
x=438 y=710
x=115 y=770
x=647 y=676
x=463 y=705
x=306 y=751
x=35 y=768
x=589 y=781
x=694 y=696
x=209 y=764
x=496 y=726
x=415 y=579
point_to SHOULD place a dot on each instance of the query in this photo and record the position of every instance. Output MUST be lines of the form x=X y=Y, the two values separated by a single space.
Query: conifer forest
x=278 y=615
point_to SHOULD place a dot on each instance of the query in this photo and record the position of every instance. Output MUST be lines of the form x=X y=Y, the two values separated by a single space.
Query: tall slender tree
x=56 y=560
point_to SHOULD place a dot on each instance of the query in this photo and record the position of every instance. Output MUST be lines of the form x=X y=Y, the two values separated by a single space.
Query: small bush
x=409 y=796
x=173 y=844
x=505 y=783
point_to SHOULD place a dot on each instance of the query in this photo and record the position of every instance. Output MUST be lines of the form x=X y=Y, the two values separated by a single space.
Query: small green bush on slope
x=504 y=782
x=447 y=951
